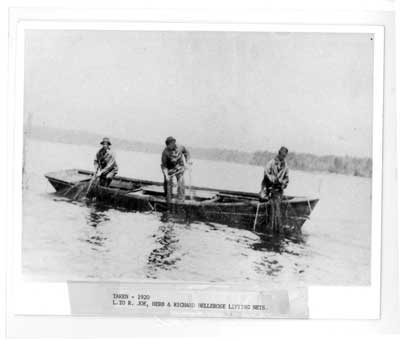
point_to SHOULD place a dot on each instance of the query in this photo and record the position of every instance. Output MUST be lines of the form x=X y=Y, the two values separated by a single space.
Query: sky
x=249 y=91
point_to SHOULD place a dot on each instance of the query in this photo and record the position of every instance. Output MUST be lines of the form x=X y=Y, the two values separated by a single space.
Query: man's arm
x=96 y=162
x=269 y=171
x=164 y=160
x=284 y=180
x=110 y=162
x=186 y=154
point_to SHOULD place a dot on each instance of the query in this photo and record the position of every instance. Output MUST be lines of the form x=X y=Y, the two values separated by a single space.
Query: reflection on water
x=267 y=267
x=166 y=251
x=95 y=235
x=97 y=215
x=279 y=243
x=165 y=254
x=68 y=240
x=167 y=242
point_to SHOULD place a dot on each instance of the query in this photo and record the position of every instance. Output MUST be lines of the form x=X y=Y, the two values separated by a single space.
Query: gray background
x=246 y=91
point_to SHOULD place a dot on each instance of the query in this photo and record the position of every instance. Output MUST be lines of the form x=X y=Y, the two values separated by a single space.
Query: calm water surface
x=64 y=240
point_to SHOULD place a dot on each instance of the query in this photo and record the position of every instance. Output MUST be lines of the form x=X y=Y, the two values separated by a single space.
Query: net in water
x=79 y=191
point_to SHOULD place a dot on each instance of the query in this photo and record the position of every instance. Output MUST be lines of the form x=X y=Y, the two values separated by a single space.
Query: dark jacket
x=105 y=160
x=174 y=159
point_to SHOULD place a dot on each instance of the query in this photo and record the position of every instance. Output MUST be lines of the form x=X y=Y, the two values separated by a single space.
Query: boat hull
x=232 y=208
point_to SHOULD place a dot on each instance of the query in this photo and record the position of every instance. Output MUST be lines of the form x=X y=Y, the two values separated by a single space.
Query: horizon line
x=26 y=128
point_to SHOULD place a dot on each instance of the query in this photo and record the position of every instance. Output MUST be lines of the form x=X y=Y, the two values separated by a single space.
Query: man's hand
x=98 y=173
x=166 y=176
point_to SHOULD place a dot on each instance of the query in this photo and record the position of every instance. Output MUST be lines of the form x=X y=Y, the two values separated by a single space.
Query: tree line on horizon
x=345 y=165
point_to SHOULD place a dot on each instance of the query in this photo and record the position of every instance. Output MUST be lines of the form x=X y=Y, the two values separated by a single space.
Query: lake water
x=63 y=240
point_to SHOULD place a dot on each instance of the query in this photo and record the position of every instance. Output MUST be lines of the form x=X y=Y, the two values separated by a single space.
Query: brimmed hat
x=169 y=140
x=105 y=140
x=284 y=149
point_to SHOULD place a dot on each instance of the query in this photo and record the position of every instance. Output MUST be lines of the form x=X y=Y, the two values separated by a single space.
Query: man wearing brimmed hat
x=276 y=179
x=105 y=163
x=174 y=160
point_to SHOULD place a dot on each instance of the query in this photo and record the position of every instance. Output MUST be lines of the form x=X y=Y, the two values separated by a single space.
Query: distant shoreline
x=346 y=165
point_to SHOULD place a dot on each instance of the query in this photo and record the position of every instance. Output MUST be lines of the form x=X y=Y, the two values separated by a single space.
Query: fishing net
x=80 y=191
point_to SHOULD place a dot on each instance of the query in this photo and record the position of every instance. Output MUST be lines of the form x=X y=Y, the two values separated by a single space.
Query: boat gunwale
x=252 y=198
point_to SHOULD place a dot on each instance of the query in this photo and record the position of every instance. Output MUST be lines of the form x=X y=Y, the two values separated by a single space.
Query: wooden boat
x=232 y=208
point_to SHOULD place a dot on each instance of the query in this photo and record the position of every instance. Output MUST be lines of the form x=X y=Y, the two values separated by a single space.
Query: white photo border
x=52 y=298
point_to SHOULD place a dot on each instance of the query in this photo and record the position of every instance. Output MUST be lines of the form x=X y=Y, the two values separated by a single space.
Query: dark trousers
x=169 y=184
x=106 y=178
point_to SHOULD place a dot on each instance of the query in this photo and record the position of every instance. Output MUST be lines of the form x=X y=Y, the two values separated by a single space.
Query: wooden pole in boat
x=255 y=219
x=190 y=182
x=188 y=166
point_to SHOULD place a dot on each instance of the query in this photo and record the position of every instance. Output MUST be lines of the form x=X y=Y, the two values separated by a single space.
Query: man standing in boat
x=174 y=161
x=105 y=163
x=276 y=179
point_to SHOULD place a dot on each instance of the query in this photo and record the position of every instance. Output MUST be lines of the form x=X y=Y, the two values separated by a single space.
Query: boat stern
x=67 y=178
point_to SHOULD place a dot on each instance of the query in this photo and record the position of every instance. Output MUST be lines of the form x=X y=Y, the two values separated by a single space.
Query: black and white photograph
x=198 y=156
